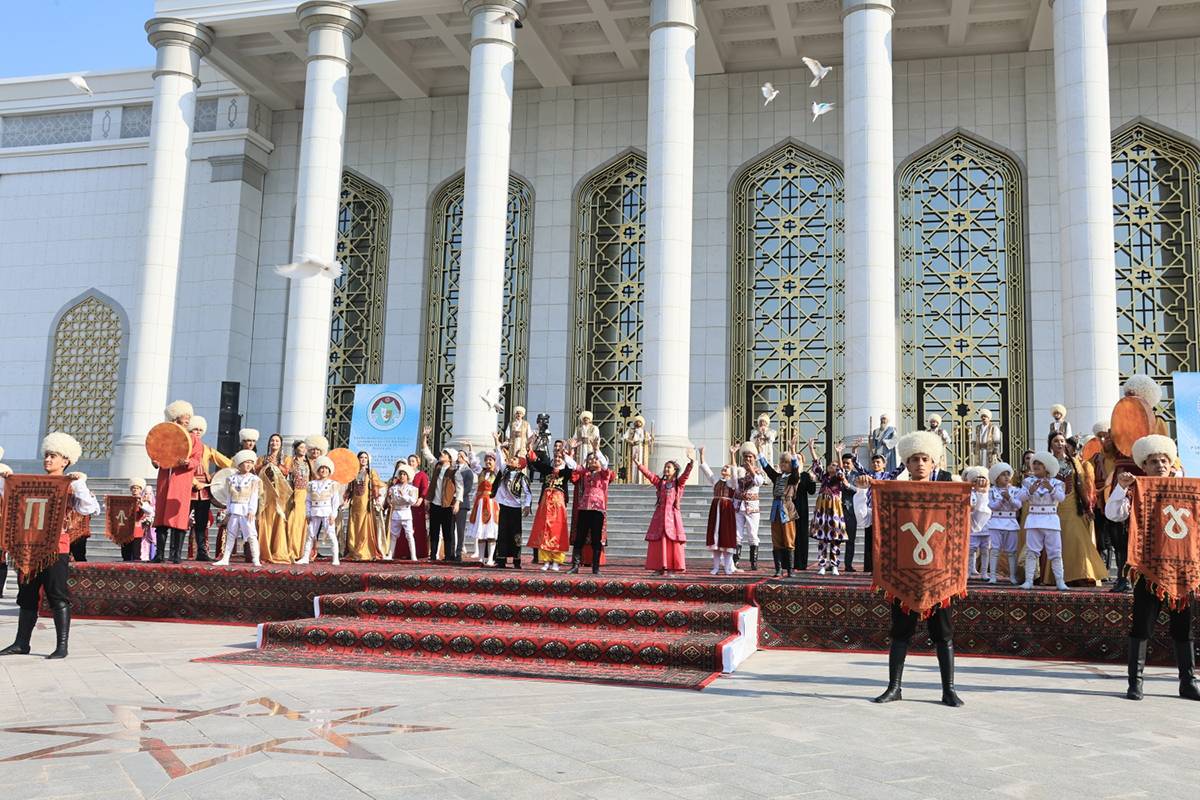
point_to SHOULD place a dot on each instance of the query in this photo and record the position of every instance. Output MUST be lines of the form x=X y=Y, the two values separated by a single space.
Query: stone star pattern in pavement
x=157 y=730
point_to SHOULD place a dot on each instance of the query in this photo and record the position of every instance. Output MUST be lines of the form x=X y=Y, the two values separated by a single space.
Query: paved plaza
x=129 y=714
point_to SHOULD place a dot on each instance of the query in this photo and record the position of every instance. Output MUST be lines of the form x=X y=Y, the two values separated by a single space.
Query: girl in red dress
x=722 y=526
x=549 y=535
x=665 y=539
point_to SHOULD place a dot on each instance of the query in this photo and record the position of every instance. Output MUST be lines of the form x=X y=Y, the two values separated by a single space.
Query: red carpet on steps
x=620 y=627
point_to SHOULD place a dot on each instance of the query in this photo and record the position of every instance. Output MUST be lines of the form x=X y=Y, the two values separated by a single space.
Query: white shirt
x=1006 y=506
x=401 y=497
x=320 y=498
x=1043 y=503
x=1118 y=506
x=243 y=494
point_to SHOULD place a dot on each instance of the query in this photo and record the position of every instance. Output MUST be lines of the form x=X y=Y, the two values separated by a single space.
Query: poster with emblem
x=386 y=422
x=922 y=538
x=34 y=514
x=1163 y=548
x=120 y=518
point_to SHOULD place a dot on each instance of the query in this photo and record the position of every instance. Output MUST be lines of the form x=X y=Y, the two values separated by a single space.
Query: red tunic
x=173 y=493
x=722 y=530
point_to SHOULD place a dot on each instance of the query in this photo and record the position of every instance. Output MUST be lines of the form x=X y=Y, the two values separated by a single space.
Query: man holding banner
x=42 y=515
x=922 y=528
x=1164 y=555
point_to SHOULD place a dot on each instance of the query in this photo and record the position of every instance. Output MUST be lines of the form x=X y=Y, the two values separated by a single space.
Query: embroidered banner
x=33 y=520
x=120 y=518
x=1164 y=549
x=922 y=535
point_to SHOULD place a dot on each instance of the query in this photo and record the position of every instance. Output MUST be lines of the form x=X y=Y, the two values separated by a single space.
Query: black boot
x=778 y=562
x=945 y=657
x=576 y=563
x=177 y=537
x=160 y=545
x=786 y=557
x=1185 y=659
x=62 y=631
x=1122 y=585
x=737 y=555
x=753 y=558
x=1137 y=665
x=3 y=577
x=25 y=624
x=896 y=656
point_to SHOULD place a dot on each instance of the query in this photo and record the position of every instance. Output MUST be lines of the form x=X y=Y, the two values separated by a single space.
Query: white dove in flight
x=819 y=109
x=308 y=266
x=817 y=69
x=79 y=83
x=769 y=92
x=489 y=398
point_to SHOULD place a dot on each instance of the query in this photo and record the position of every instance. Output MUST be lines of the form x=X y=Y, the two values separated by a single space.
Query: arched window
x=359 y=300
x=1156 y=222
x=787 y=289
x=441 y=331
x=83 y=375
x=962 y=291
x=606 y=375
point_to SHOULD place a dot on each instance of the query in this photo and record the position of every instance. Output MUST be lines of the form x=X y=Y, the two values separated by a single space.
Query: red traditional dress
x=666 y=538
x=483 y=521
x=420 y=531
x=173 y=493
x=722 y=517
x=549 y=534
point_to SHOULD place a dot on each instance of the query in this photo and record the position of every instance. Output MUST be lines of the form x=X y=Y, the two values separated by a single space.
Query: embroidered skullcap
x=1059 y=408
x=63 y=444
x=180 y=408
x=1144 y=387
x=242 y=456
x=325 y=461
x=138 y=482
x=998 y=469
x=1154 y=444
x=516 y=462
x=247 y=435
x=920 y=442
x=318 y=441
x=198 y=423
x=1047 y=460
x=970 y=474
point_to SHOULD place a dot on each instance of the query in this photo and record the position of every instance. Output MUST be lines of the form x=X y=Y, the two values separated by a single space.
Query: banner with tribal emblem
x=1164 y=548
x=922 y=538
x=32 y=521
x=120 y=518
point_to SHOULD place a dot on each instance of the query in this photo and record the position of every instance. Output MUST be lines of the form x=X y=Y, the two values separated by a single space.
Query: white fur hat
x=971 y=473
x=138 y=482
x=198 y=423
x=242 y=456
x=585 y=415
x=247 y=434
x=63 y=444
x=935 y=418
x=318 y=441
x=405 y=468
x=325 y=461
x=519 y=410
x=985 y=413
x=764 y=417
x=1144 y=387
x=1047 y=460
x=1060 y=408
x=1 y=453
x=998 y=469
x=1153 y=444
x=1099 y=428
x=5 y=470
x=920 y=442
x=180 y=408
x=748 y=447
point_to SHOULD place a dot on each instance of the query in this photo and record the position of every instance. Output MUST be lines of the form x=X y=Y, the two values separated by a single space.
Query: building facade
x=950 y=238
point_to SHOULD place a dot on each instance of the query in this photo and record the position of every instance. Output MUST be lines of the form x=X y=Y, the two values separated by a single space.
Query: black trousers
x=441 y=527
x=589 y=529
x=508 y=535
x=1146 y=606
x=851 y=534
x=52 y=580
x=200 y=510
x=79 y=549
x=460 y=530
x=1118 y=537
x=904 y=625
x=869 y=548
x=800 y=556
x=131 y=551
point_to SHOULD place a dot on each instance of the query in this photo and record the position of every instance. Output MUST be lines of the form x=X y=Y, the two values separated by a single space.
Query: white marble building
x=942 y=241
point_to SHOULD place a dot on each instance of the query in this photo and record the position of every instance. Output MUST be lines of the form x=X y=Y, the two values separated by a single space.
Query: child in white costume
x=1043 y=492
x=746 y=502
x=322 y=510
x=1005 y=500
x=980 y=514
x=241 y=514
x=401 y=496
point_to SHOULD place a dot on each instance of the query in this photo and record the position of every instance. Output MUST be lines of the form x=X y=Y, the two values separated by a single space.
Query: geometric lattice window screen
x=606 y=376
x=441 y=332
x=1156 y=218
x=962 y=292
x=83 y=376
x=359 y=300
x=787 y=290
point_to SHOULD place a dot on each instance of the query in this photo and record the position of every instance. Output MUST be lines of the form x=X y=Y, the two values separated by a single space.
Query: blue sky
x=49 y=36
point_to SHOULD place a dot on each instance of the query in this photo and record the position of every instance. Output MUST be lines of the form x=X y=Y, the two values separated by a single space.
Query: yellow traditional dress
x=296 y=511
x=272 y=512
x=362 y=535
x=1081 y=559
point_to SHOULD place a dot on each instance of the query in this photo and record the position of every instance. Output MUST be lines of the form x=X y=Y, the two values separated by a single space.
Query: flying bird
x=769 y=92
x=310 y=267
x=816 y=68
x=490 y=399
x=79 y=83
x=819 y=109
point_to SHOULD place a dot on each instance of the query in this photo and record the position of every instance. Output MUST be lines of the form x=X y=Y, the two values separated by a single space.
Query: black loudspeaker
x=230 y=421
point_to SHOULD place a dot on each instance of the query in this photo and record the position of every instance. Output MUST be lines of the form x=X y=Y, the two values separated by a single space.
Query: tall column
x=670 y=135
x=485 y=215
x=179 y=45
x=331 y=27
x=871 y=353
x=1091 y=373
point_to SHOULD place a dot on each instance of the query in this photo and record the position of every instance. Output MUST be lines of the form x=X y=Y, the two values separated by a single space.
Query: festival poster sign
x=1187 y=419
x=386 y=422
